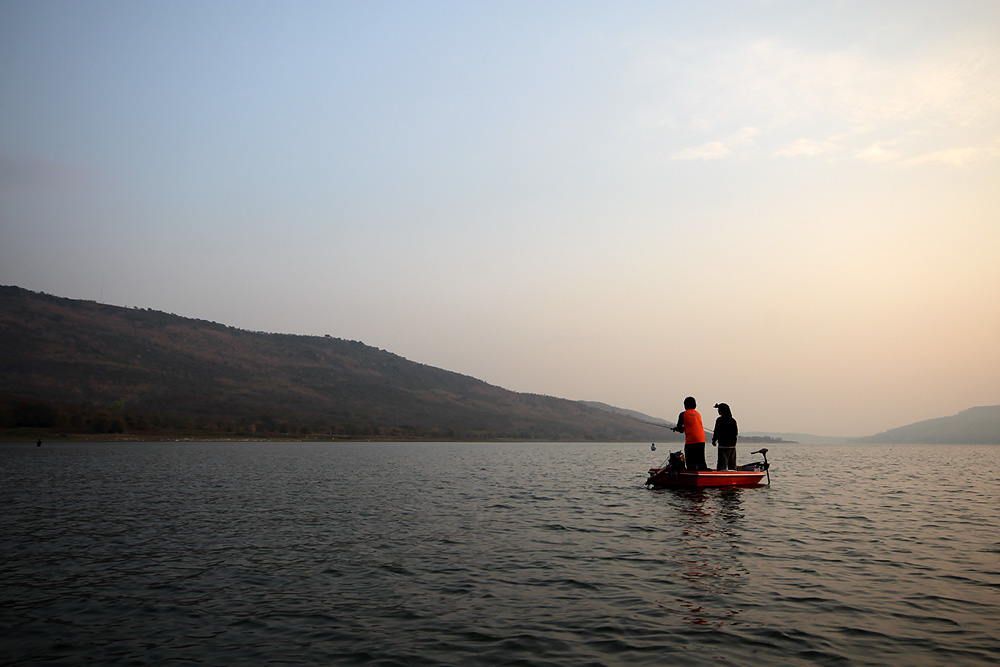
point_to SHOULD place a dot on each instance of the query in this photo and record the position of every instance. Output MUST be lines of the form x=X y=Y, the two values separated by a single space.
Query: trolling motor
x=760 y=465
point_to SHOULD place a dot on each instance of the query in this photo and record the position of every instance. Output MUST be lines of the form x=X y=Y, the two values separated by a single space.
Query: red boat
x=673 y=475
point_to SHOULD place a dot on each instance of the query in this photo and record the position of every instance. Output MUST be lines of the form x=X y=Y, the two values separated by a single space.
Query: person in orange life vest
x=689 y=423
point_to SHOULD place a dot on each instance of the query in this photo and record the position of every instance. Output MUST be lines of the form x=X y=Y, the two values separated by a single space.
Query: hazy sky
x=793 y=207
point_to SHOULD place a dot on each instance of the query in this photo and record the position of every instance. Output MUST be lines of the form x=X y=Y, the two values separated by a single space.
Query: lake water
x=494 y=554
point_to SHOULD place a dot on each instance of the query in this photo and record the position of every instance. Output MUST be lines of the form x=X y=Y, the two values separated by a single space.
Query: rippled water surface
x=475 y=554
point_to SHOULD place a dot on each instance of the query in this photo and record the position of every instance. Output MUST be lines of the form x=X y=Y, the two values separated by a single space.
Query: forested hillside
x=80 y=366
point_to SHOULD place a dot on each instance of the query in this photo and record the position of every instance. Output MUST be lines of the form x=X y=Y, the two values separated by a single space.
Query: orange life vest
x=693 y=430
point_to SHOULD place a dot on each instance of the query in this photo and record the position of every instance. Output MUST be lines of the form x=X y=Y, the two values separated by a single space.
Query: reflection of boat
x=673 y=475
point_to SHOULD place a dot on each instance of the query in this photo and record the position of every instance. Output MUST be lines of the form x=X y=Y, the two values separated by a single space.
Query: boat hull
x=703 y=478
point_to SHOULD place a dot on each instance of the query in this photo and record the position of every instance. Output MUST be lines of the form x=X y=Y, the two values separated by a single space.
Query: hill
x=74 y=366
x=654 y=421
x=980 y=426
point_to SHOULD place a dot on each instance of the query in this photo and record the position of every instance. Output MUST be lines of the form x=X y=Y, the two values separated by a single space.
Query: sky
x=792 y=207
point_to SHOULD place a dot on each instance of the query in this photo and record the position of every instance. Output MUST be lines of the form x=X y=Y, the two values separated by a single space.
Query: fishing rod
x=672 y=428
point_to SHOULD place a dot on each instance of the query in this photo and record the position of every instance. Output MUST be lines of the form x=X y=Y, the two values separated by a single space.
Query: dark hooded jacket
x=726 y=430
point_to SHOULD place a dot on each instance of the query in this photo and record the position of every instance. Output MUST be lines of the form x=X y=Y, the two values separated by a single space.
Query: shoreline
x=49 y=438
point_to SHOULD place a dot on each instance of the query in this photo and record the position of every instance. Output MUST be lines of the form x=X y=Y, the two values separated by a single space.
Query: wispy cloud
x=879 y=152
x=843 y=100
x=959 y=157
x=716 y=150
x=808 y=148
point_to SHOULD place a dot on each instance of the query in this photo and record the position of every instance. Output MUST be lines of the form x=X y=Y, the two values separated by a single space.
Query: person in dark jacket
x=725 y=435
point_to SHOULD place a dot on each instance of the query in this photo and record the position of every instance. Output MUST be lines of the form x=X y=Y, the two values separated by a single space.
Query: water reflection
x=709 y=554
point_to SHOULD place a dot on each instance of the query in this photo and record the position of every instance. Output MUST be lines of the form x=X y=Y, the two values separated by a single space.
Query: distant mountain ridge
x=975 y=426
x=79 y=365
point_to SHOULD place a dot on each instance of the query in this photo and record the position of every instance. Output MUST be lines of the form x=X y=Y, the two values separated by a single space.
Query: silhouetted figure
x=689 y=423
x=39 y=443
x=726 y=433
